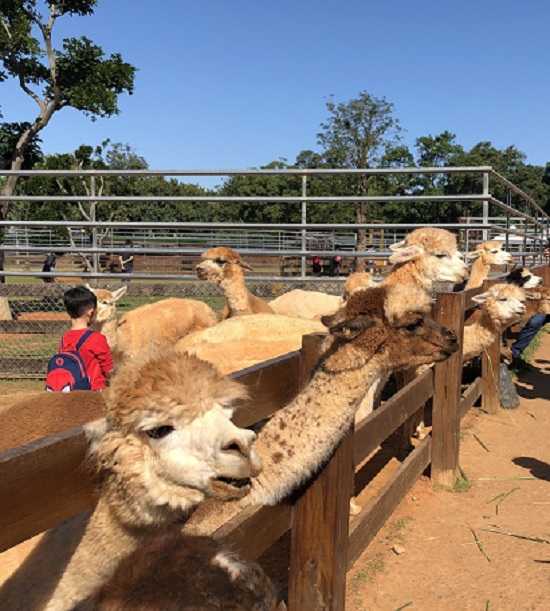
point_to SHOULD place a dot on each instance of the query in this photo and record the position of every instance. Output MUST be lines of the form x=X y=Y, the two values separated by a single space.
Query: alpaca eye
x=440 y=255
x=413 y=326
x=159 y=432
x=219 y=261
x=503 y=299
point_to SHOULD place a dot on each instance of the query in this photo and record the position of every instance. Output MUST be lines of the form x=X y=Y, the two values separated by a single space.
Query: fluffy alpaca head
x=541 y=297
x=503 y=302
x=362 y=329
x=357 y=281
x=491 y=253
x=434 y=252
x=169 y=440
x=106 y=302
x=524 y=278
x=220 y=263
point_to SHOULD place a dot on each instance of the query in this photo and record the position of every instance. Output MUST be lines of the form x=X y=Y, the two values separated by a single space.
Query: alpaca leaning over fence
x=486 y=254
x=168 y=443
x=362 y=347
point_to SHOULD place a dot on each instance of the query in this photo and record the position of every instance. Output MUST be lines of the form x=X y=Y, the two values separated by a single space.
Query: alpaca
x=237 y=343
x=150 y=326
x=486 y=254
x=313 y=305
x=362 y=346
x=501 y=305
x=425 y=256
x=224 y=267
x=524 y=278
x=167 y=443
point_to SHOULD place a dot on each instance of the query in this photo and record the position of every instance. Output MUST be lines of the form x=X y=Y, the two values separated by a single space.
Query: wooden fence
x=42 y=481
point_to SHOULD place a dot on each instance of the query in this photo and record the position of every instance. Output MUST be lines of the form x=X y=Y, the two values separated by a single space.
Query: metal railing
x=525 y=228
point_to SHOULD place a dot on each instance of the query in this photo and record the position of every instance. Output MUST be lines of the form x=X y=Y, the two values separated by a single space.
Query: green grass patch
x=462 y=483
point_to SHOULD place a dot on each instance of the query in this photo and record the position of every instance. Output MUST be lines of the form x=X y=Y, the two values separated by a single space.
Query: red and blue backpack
x=66 y=370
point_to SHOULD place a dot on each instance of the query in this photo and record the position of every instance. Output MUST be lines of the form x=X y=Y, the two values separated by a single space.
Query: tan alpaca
x=500 y=305
x=313 y=305
x=362 y=346
x=486 y=254
x=237 y=343
x=151 y=326
x=224 y=267
x=167 y=444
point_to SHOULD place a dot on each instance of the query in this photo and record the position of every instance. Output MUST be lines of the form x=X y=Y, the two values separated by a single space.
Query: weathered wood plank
x=378 y=510
x=255 y=530
x=42 y=484
x=379 y=425
x=470 y=397
x=271 y=385
x=490 y=364
x=319 y=539
x=448 y=311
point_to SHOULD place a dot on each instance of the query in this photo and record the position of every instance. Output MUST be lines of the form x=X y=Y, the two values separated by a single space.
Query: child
x=81 y=305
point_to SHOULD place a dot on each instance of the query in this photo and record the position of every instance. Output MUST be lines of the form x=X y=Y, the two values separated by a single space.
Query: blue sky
x=236 y=84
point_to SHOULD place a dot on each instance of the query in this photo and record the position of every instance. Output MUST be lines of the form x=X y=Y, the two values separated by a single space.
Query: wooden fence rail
x=43 y=482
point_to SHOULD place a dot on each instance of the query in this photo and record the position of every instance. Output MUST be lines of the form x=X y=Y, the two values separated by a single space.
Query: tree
x=78 y=75
x=357 y=134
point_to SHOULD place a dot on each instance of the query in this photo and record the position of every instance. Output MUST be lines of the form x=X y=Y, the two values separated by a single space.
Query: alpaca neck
x=109 y=329
x=478 y=274
x=318 y=418
x=407 y=273
x=479 y=333
x=236 y=293
x=104 y=544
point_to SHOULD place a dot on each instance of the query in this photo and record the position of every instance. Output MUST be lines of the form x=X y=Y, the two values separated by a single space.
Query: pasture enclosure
x=43 y=482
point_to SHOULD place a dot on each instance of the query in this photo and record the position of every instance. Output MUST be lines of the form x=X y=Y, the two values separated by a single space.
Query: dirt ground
x=449 y=560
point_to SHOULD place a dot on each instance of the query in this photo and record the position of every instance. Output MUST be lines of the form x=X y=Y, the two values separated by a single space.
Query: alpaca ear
x=353 y=354
x=94 y=432
x=89 y=287
x=406 y=253
x=533 y=295
x=119 y=293
x=245 y=265
x=473 y=255
x=397 y=245
x=349 y=329
x=481 y=298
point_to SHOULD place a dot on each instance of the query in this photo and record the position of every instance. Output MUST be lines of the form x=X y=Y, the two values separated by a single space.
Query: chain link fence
x=38 y=317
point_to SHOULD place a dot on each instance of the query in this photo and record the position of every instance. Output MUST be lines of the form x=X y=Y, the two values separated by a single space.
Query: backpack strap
x=83 y=339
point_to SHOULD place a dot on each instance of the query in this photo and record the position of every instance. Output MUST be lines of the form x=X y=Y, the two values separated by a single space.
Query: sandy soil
x=441 y=566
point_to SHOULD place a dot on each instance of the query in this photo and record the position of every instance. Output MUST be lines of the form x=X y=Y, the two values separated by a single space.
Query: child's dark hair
x=78 y=301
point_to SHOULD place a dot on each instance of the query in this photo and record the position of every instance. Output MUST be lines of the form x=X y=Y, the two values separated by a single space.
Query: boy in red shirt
x=81 y=305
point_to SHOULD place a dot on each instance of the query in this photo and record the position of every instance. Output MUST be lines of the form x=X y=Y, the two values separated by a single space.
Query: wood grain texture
x=379 y=509
x=448 y=311
x=319 y=539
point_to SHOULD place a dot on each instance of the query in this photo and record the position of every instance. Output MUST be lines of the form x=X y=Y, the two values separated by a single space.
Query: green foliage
x=9 y=135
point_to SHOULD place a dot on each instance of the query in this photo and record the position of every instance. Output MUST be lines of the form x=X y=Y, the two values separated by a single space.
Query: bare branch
x=41 y=103
x=85 y=261
x=46 y=30
x=7 y=28
x=87 y=216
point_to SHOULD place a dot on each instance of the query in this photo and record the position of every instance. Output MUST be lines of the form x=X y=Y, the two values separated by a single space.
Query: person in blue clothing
x=525 y=337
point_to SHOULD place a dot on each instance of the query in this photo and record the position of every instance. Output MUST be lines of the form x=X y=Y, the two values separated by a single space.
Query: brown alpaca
x=486 y=254
x=362 y=346
x=167 y=444
x=224 y=267
x=500 y=305
x=149 y=327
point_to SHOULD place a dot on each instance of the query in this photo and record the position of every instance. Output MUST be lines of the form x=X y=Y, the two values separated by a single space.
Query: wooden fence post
x=319 y=539
x=490 y=375
x=448 y=311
